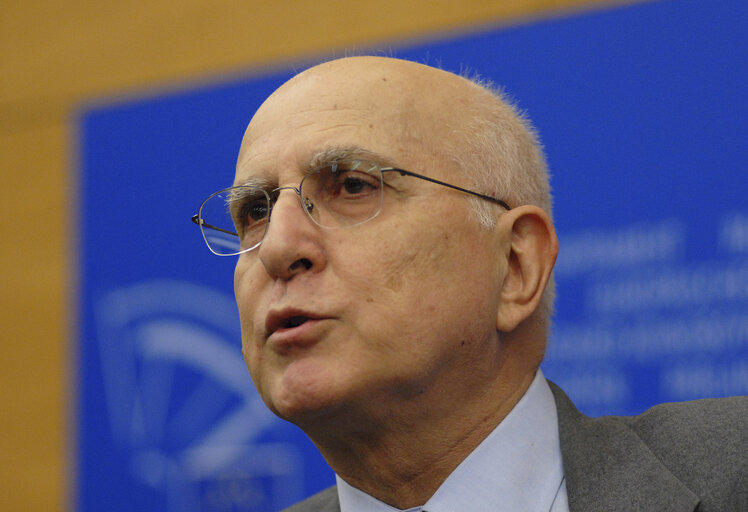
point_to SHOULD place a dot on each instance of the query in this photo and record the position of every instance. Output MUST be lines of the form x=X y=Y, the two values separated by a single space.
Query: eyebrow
x=237 y=196
x=338 y=153
x=324 y=157
x=255 y=181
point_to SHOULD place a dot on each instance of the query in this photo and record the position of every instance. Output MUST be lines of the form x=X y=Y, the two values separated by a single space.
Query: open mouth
x=287 y=319
x=294 y=321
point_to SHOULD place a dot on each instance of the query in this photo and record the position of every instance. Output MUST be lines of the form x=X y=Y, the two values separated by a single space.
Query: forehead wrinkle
x=415 y=125
x=336 y=153
x=289 y=117
x=256 y=172
x=319 y=157
x=322 y=157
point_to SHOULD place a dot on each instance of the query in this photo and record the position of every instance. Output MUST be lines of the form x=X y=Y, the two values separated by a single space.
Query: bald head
x=467 y=126
x=423 y=119
x=416 y=107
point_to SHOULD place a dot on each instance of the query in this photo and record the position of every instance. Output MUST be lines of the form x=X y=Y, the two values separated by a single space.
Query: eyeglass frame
x=196 y=219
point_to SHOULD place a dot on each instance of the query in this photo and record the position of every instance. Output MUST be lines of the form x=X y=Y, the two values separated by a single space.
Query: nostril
x=305 y=262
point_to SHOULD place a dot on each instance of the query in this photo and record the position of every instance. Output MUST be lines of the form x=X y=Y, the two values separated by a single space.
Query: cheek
x=432 y=275
x=245 y=292
x=241 y=274
x=427 y=261
x=413 y=259
x=402 y=284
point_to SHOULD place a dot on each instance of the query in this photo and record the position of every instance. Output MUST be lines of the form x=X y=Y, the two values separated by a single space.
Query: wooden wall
x=53 y=56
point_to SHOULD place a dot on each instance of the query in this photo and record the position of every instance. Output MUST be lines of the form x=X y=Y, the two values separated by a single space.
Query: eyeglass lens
x=342 y=194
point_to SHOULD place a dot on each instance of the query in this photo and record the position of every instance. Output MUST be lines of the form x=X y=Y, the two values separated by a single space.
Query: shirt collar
x=523 y=452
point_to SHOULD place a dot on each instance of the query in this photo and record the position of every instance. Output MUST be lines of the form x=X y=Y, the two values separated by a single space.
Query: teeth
x=294 y=321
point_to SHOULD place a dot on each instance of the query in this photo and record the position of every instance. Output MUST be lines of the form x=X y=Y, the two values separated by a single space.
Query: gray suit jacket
x=685 y=457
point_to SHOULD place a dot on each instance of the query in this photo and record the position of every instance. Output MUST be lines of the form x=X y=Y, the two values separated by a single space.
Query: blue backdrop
x=642 y=112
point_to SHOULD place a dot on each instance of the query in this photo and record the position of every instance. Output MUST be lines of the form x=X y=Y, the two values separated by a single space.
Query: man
x=396 y=307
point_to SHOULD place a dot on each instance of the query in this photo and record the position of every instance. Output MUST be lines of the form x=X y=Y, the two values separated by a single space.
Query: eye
x=353 y=184
x=348 y=180
x=249 y=208
x=253 y=211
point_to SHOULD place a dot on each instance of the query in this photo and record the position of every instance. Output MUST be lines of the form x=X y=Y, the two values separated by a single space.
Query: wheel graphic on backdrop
x=181 y=404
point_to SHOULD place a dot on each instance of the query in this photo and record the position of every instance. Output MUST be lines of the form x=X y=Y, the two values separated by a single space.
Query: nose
x=292 y=241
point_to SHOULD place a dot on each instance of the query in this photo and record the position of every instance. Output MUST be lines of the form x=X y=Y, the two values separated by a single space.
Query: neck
x=402 y=455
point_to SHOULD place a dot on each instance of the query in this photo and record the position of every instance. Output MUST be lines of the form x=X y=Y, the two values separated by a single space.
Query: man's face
x=397 y=310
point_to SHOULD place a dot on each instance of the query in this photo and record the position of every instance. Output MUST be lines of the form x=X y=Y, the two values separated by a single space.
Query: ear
x=530 y=259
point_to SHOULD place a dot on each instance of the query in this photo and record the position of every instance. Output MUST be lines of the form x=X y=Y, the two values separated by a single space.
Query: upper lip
x=287 y=317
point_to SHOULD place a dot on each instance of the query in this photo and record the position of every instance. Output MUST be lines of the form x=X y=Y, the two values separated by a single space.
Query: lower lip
x=304 y=335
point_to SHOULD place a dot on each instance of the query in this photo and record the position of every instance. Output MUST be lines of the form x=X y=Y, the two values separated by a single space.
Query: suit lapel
x=324 y=501
x=608 y=467
x=330 y=502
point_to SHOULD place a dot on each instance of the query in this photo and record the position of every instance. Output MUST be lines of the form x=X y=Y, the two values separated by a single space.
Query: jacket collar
x=609 y=467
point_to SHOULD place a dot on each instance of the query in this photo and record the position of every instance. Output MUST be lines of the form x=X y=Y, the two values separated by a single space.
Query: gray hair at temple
x=499 y=149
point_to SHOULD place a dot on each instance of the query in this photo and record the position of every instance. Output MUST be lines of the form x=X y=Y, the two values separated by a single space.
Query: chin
x=303 y=394
x=306 y=409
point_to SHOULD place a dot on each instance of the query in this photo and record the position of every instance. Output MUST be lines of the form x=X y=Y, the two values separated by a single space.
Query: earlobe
x=530 y=260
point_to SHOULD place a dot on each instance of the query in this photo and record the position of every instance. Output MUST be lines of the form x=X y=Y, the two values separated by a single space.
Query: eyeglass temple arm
x=200 y=222
x=494 y=200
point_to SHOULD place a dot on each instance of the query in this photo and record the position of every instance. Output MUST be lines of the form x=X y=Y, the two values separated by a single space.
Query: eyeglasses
x=338 y=195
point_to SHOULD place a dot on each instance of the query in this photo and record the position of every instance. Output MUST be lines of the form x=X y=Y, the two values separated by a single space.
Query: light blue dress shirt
x=518 y=467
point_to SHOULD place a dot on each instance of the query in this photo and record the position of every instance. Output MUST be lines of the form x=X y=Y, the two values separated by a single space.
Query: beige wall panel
x=53 y=55
x=53 y=51
x=34 y=318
